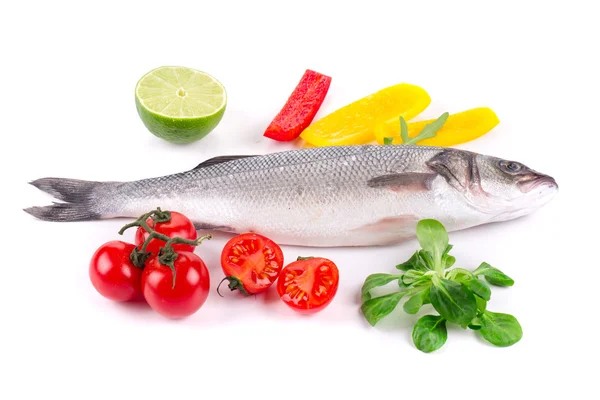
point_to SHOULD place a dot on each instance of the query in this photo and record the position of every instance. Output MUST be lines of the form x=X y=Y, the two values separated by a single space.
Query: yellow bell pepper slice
x=355 y=123
x=459 y=128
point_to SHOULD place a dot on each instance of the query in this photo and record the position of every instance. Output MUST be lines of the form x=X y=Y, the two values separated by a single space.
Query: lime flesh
x=179 y=104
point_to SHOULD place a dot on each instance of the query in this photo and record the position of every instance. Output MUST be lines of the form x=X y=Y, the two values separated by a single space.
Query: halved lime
x=179 y=104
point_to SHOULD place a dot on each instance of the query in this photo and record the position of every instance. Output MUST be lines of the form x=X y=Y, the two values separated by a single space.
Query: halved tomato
x=309 y=284
x=251 y=262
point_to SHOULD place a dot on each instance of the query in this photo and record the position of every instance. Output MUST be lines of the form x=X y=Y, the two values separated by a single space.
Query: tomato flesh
x=179 y=225
x=254 y=260
x=113 y=274
x=308 y=285
x=192 y=284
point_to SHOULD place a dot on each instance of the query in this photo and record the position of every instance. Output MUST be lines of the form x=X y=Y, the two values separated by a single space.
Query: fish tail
x=80 y=200
x=63 y=212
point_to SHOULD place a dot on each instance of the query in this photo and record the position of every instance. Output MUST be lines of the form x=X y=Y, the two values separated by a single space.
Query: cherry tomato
x=192 y=284
x=113 y=274
x=251 y=262
x=179 y=225
x=308 y=285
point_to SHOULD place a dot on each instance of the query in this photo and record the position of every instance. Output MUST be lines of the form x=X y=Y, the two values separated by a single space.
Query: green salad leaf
x=428 y=260
x=481 y=304
x=479 y=288
x=376 y=280
x=475 y=325
x=453 y=301
x=414 y=304
x=500 y=329
x=414 y=262
x=493 y=275
x=429 y=333
x=459 y=275
x=375 y=309
x=447 y=259
x=433 y=238
x=413 y=276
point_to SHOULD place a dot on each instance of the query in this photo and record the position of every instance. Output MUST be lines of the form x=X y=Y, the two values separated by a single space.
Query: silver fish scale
x=299 y=196
x=366 y=157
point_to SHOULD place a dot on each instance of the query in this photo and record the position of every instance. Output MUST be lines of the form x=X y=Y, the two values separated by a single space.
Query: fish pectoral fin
x=408 y=181
x=218 y=160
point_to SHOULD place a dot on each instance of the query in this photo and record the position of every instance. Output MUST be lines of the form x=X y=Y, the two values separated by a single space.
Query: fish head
x=519 y=190
x=503 y=189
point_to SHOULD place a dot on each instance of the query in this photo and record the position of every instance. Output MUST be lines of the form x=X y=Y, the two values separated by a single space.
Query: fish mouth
x=535 y=181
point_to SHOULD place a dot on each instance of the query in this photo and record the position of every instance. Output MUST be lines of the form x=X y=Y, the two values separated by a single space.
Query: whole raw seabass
x=328 y=196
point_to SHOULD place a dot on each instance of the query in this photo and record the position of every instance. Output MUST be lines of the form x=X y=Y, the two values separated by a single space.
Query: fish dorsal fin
x=415 y=181
x=218 y=160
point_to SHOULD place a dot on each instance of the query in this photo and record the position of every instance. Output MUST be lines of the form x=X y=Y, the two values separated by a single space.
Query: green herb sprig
x=428 y=131
x=458 y=295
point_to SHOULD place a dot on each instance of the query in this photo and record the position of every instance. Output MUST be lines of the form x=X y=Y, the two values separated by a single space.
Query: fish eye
x=510 y=166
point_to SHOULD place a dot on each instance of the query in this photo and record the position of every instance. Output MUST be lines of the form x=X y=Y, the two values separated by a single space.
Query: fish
x=337 y=196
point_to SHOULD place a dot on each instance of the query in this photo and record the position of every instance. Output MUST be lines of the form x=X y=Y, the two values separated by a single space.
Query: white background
x=68 y=75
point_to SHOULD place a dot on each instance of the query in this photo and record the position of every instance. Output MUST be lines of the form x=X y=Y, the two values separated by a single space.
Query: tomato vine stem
x=167 y=254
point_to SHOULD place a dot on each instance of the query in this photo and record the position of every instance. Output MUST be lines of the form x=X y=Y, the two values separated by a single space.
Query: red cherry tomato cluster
x=162 y=269
x=252 y=263
x=174 y=282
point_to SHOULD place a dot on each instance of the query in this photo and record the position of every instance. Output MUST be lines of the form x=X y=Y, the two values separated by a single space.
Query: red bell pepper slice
x=300 y=108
